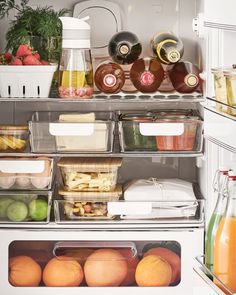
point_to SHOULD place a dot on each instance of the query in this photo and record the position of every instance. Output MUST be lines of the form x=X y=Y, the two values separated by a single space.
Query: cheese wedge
x=80 y=118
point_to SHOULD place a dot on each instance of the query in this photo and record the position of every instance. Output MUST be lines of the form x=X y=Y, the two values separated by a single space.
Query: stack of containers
x=25 y=190
x=87 y=185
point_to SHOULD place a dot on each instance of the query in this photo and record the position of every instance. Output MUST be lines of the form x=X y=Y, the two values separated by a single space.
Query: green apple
x=4 y=203
x=17 y=211
x=38 y=209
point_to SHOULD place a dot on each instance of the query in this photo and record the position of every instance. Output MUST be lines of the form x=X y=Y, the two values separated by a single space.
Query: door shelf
x=207 y=275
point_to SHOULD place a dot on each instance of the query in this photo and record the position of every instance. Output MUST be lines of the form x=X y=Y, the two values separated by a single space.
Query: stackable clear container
x=24 y=207
x=13 y=138
x=167 y=132
x=71 y=132
x=85 y=205
x=89 y=174
x=26 y=173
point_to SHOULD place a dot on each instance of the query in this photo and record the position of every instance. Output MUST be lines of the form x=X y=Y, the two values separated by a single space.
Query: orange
x=171 y=257
x=153 y=271
x=24 y=271
x=61 y=272
x=105 y=267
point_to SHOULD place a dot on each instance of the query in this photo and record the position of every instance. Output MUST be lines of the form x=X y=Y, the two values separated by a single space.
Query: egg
x=7 y=180
x=42 y=180
x=23 y=180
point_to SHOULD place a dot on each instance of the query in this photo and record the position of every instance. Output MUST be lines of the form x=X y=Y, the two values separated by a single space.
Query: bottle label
x=171 y=54
x=191 y=80
x=124 y=49
x=147 y=78
x=109 y=80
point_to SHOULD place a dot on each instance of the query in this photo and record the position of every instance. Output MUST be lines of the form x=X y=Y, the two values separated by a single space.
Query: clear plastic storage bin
x=72 y=132
x=25 y=207
x=26 y=173
x=168 y=132
x=13 y=138
x=89 y=174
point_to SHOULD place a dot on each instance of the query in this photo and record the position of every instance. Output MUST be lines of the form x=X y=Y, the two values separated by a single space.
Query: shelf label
x=71 y=129
x=129 y=208
x=163 y=129
x=22 y=166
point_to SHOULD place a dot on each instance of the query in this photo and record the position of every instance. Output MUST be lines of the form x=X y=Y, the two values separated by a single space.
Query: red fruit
x=16 y=62
x=31 y=60
x=45 y=62
x=8 y=56
x=36 y=55
x=23 y=50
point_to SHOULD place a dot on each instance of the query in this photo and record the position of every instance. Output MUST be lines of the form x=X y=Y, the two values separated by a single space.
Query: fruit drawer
x=26 y=173
x=71 y=132
x=25 y=207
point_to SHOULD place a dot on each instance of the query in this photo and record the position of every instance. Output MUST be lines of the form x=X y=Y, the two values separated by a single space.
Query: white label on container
x=22 y=166
x=71 y=129
x=164 y=129
x=129 y=208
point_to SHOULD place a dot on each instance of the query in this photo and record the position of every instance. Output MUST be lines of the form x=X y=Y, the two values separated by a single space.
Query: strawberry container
x=26 y=81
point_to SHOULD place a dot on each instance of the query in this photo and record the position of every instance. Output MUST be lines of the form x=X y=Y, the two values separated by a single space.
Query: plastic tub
x=71 y=132
x=89 y=174
x=13 y=138
x=26 y=173
x=25 y=207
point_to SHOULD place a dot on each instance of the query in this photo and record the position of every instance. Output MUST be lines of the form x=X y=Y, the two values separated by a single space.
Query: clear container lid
x=14 y=127
x=92 y=196
x=90 y=163
x=136 y=116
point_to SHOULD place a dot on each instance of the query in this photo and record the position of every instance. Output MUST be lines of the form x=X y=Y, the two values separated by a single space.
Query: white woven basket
x=26 y=81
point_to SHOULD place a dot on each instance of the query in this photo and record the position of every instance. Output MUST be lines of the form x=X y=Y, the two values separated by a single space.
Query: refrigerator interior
x=144 y=20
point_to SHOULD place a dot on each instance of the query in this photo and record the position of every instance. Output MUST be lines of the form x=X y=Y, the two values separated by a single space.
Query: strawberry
x=36 y=55
x=23 y=50
x=45 y=62
x=8 y=56
x=31 y=60
x=16 y=62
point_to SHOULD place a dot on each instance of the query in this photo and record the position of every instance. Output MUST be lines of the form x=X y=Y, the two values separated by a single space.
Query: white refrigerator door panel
x=191 y=242
x=220 y=13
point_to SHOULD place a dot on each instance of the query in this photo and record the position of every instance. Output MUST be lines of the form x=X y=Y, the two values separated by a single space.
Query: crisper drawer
x=71 y=132
x=98 y=262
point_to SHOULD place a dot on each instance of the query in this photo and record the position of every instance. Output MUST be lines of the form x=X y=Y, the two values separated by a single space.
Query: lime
x=4 y=203
x=38 y=209
x=17 y=211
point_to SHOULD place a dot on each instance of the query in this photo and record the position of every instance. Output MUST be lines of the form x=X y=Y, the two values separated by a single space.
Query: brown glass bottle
x=167 y=47
x=109 y=77
x=185 y=77
x=146 y=74
x=124 y=47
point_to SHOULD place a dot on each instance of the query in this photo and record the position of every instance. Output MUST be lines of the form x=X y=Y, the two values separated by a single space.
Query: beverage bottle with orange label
x=224 y=262
x=219 y=186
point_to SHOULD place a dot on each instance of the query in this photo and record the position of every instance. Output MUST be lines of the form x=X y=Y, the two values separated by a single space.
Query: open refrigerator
x=208 y=30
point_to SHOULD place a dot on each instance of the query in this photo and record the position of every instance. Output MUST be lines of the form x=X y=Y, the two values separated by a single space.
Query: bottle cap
x=232 y=175
x=224 y=169
x=75 y=32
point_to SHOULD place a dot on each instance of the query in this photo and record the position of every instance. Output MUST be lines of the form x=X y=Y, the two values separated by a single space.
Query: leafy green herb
x=41 y=22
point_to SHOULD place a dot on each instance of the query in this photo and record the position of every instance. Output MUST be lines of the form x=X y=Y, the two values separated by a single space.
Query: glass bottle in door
x=224 y=263
x=219 y=186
